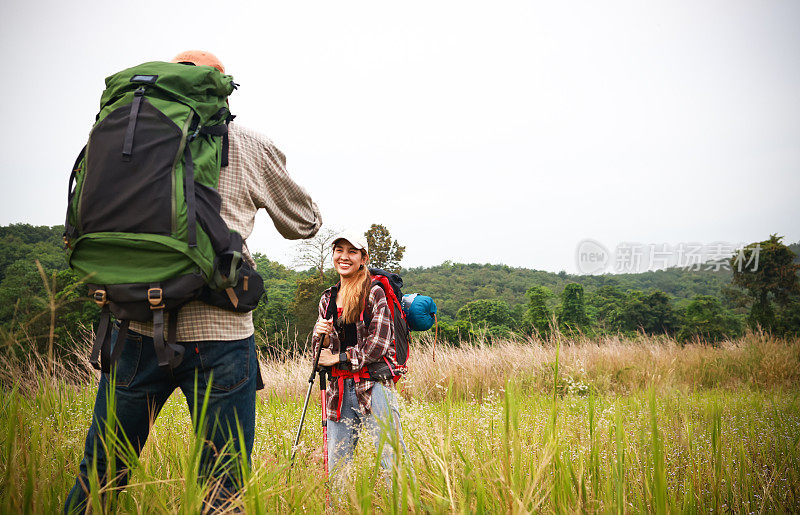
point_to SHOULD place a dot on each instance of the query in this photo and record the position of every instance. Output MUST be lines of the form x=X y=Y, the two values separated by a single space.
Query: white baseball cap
x=356 y=239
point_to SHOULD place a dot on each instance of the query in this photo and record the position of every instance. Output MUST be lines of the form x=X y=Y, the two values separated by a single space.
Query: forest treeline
x=39 y=291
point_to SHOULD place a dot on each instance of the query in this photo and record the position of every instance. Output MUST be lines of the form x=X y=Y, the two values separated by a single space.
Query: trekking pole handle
x=316 y=360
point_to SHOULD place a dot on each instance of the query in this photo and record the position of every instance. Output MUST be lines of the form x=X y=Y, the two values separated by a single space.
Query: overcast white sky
x=505 y=132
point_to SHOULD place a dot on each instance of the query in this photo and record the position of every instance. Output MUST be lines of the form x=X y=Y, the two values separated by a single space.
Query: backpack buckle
x=154 y=297
x=100 y=298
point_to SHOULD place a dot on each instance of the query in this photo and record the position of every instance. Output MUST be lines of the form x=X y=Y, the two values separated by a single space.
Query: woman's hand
x=328 y=358
x=323 y=327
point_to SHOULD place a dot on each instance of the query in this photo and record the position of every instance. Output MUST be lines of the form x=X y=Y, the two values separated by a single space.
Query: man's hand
x=328 y=358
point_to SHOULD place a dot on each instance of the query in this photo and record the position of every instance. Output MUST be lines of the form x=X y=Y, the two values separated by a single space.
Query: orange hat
x=199 y=58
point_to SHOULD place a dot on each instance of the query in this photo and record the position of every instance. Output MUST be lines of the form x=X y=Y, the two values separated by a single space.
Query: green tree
x=305 y=305
x=384 y=252
x=651 y=313
x=707 y=319
x=273 y=317
x=606 y=306
x=788 y=319
x=538 y=316
x=767 y=272
x=573 y=311
x=455 y=332
x=491 y=315
x=32 y=305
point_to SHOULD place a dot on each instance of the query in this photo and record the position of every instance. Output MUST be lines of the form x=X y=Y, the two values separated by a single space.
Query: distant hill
x=455 y=284
x=451 y=284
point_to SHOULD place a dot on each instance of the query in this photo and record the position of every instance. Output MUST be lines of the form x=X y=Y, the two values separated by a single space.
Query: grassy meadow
x=609 y=425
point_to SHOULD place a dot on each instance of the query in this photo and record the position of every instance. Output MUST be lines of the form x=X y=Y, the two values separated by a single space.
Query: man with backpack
x=198 y=345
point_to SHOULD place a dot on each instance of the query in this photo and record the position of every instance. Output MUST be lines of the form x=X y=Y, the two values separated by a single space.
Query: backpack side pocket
x=242 y=297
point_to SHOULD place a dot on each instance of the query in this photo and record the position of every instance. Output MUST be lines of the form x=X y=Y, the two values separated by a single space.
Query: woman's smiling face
x=347 y=259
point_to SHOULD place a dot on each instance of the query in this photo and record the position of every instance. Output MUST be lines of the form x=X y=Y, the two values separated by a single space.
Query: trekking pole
x=305 y=407
x=323 y=387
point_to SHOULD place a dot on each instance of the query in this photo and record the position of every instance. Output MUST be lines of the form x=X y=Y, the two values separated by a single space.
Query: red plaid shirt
x=373 y=343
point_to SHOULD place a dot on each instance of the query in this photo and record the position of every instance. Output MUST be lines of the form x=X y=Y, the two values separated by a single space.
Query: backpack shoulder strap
x=221 y=130
x=387 y=290
x=69 y=231
x=332 y=312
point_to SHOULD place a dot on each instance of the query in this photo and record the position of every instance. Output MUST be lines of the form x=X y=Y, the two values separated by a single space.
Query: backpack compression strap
x=220 y=130
x=169 y=355
x=102 y=358
x=102 y=338
x=127 y=145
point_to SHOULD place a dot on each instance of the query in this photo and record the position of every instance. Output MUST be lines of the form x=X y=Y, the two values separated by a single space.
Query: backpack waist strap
x=340 y=376
x=357 y=376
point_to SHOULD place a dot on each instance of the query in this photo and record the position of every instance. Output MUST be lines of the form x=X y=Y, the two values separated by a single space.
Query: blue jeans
x=141 y=390
x=343 y=434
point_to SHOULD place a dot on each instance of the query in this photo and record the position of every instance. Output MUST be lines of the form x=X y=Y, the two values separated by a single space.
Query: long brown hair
x=353 y=295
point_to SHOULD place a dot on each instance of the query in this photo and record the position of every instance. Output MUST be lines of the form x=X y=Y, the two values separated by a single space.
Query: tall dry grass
x=611 y=365
x=30 y=370
x=605 y=365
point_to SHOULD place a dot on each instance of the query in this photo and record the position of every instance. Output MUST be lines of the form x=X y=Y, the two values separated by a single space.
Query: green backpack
x=143 y=221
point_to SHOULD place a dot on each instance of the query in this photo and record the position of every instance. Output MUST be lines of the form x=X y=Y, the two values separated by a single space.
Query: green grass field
x=520 y=441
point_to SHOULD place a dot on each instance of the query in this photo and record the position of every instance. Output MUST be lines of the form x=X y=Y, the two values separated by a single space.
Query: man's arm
x=290 y=207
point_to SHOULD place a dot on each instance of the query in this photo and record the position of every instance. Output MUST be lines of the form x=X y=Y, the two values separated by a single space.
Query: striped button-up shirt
x=255 y=178
x=374 y=342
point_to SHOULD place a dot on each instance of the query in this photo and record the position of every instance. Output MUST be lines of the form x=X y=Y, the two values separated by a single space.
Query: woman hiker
x=357 y=333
